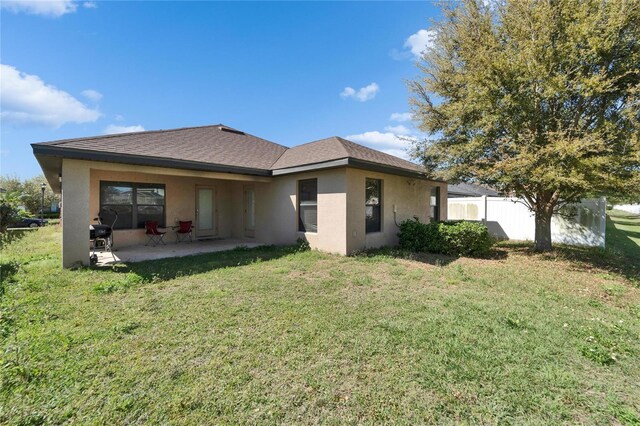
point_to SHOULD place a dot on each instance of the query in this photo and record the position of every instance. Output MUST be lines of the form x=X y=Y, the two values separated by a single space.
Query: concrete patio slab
x=171 y=249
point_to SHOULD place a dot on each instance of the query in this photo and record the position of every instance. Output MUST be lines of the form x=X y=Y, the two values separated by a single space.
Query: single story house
x=336 y=194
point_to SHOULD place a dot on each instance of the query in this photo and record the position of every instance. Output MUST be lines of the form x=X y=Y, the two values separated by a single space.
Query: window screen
x=373 y=205
x=134 y=204
x=308 y=205
x=434 y=202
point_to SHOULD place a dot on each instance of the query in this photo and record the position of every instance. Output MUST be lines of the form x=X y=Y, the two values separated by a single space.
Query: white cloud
x=25 y=98
x=402 y=153
x=395 y=140
x=119 y=117
x=401 y=116
x=90 y=5
x=420 y=41
x=399 y=55
x=377 y=139
x=92 y=95
x=363 y=94
x=388 y=142
x=347 y=92
x=51 y=8
x=398 y=130
x=113 y=129
x=415 y=45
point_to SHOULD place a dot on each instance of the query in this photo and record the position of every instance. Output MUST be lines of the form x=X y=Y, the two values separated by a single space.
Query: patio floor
x=172 y=249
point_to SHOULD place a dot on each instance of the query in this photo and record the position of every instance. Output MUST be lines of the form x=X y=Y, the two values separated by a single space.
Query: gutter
x=79 y=154
x=111 y=157
x=357 y=164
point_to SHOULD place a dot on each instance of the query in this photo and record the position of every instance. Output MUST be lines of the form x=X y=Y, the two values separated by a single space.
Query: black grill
x=99 y=231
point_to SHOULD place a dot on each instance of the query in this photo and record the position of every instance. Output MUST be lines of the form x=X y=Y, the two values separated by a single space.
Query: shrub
x=302 y=245
x=454 y=238
x=9 y=210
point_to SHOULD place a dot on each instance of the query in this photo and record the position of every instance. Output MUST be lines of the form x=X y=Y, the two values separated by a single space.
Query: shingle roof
x=335 y=148
x=217 y=145
x=470 y=190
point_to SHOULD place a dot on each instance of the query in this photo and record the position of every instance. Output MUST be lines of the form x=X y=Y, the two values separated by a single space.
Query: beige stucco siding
x=81 y=200
x=282 y=198
x=409 y=196
x=75 y=212
x=341 y=208
x=341 y=205
x=180 y=201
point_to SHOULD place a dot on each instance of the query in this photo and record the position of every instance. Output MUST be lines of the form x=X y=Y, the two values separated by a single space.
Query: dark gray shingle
x=217 y=144
x=225 y=146
x=335 y=148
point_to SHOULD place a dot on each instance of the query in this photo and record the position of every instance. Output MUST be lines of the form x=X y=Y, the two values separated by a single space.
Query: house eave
x=382 y=168
x=110 y=157
x=44 y=152
x=343 y=162
x=355 y=163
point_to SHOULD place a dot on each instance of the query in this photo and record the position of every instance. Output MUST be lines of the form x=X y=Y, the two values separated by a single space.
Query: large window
x=135 y=203
x=434 y=202
x=373 y=205
x=308 y=205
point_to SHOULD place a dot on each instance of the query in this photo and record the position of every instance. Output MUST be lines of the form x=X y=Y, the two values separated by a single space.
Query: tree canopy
x=538 y=98
x=28 y=193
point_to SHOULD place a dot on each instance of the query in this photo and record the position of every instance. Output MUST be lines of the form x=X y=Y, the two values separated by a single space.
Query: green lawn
x=623 y=233
x=274 y=335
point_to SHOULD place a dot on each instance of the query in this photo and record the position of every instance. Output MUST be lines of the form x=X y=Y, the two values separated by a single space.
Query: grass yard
x=274 y=335
x=623 y=233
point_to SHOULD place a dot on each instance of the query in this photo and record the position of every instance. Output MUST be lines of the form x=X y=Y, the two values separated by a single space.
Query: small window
x=373 y=205
x=308 y=205
x=135 y=203
x=434 y=202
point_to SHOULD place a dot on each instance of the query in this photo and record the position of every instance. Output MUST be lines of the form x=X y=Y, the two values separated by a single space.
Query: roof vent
x=230 y=130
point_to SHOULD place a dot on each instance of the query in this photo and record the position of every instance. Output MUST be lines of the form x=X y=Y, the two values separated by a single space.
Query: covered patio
x=139 y=253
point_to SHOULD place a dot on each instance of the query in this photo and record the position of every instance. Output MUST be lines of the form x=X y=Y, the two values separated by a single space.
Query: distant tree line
x=19 y=198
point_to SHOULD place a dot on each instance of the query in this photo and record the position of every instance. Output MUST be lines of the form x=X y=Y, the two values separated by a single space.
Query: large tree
x=29 y=192
x=539 y=98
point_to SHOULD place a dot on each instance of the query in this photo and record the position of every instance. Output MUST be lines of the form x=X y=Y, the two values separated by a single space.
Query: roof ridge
x=348 y=142
x=115 y=135
x=320 y=140
x=279 y=157
x=341 y=142
x=302 y=145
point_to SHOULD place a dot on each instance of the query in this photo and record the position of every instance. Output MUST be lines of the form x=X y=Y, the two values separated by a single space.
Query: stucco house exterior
x=336 y=194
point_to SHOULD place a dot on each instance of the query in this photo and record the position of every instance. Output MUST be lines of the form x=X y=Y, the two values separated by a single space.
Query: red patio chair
x=151 y=231
x=184 y=230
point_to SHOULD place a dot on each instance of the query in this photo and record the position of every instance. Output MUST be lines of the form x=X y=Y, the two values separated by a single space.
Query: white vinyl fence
x=631 y=208
x=507 y=218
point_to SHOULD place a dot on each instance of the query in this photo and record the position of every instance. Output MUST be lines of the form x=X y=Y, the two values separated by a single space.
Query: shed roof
x=470 y=190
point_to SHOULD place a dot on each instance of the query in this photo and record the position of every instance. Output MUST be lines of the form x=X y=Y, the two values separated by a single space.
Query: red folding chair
x=155 y=236
x=184 y=230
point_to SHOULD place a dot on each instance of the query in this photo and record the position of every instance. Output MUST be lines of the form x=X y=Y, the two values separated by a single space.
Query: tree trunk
x=543 y=230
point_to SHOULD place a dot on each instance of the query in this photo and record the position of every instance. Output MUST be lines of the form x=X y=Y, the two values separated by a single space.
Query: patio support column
x=75 y=212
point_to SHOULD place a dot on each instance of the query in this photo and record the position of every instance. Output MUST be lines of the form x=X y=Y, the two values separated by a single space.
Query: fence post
x=484 y=209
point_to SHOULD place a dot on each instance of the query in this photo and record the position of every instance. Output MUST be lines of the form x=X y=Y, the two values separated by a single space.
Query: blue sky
x=289 y=72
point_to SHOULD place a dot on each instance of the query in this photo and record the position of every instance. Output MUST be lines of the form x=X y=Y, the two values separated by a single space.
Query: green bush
x=455 y=238
x=9 y=210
